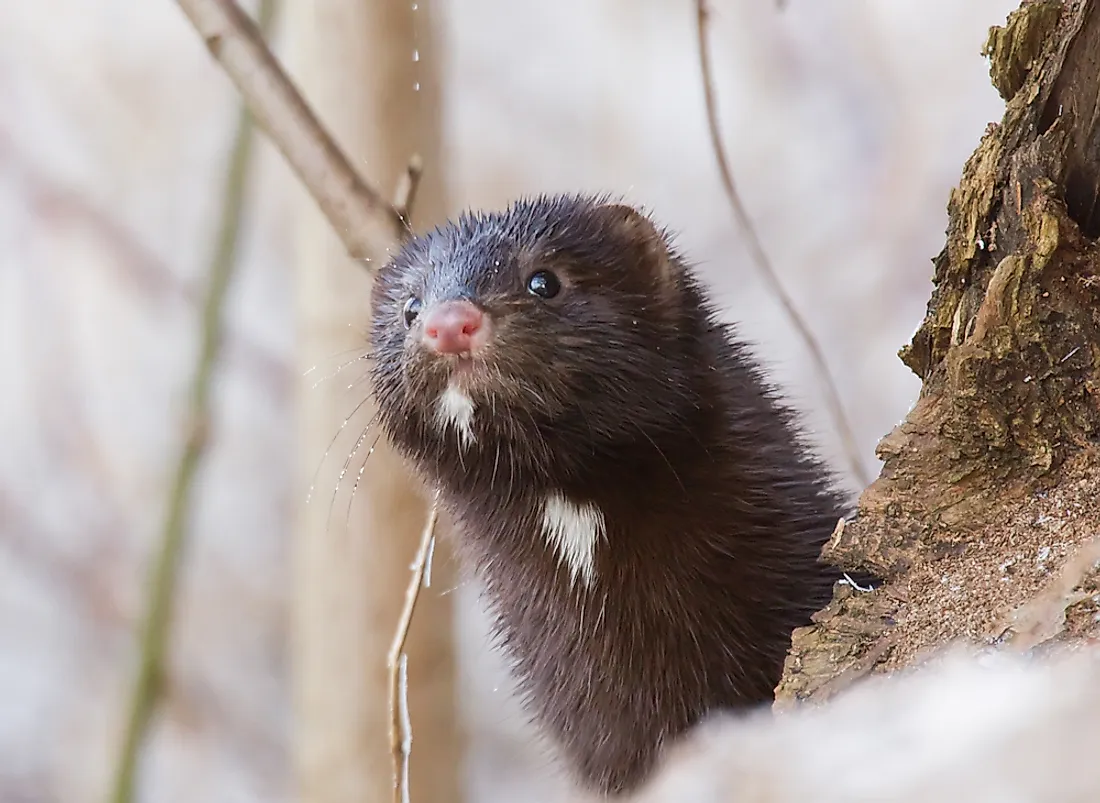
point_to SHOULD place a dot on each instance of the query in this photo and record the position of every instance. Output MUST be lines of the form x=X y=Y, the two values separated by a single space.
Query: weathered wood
x=1009 y=354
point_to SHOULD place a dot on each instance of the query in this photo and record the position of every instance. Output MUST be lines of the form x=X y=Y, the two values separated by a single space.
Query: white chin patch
x=573 y=530
x=455 y=410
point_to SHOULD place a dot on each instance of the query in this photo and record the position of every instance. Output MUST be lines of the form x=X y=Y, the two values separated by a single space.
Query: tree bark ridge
x=1008 y=354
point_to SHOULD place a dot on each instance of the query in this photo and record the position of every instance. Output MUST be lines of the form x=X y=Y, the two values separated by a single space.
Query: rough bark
x=1009 y=412
x=355 y=63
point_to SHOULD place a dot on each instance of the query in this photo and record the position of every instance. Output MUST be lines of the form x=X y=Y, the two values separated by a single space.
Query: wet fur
x=624 y=391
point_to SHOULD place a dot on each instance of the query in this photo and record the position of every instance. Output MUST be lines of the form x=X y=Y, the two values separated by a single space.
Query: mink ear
x=636 y=228
x=629 y=221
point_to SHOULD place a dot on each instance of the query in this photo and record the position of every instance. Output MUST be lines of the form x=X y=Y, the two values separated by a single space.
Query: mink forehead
x=494 y=252
x=479 y=262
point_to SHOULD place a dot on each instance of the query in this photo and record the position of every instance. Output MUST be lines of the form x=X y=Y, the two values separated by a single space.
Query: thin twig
x=400 y=729
x=358 y=214
x=158 y=613
x=401 y=787
x=407 y=187
x=759 y=256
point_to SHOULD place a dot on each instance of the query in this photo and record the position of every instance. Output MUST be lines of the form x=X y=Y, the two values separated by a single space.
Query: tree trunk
x=354 y=547
x=989 y=486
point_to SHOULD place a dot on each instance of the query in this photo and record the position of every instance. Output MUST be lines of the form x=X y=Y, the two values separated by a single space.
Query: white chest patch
x=456 y=410
x=574 y=530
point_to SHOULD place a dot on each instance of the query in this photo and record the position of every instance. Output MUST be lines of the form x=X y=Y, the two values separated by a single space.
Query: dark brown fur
x=624 y=391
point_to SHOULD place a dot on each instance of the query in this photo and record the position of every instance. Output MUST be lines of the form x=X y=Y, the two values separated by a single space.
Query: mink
x=641 y=507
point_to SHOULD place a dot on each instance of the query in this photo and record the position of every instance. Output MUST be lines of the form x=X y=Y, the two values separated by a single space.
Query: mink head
x=531 y=339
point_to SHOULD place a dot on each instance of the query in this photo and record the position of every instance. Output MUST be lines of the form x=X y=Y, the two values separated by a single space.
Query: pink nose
x=455 y=327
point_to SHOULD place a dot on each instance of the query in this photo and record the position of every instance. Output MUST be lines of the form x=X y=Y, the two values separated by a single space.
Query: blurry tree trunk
x=1009 y=351
x=354 y=61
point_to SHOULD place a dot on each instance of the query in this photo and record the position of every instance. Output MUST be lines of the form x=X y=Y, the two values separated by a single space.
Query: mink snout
x=455 y=327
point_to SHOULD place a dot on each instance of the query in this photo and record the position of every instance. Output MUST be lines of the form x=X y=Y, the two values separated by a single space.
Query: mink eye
x=411 y=311
x=543 y=284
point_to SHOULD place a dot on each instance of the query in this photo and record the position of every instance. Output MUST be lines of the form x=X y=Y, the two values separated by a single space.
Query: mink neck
x=645 y=486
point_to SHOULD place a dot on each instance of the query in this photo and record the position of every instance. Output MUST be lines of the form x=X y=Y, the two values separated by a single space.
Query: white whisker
x=358 y=479
x=344 y=470
x=321 y=462
x=337 y=370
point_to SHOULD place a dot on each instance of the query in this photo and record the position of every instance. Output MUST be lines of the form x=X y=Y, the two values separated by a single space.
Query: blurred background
x=847 y=124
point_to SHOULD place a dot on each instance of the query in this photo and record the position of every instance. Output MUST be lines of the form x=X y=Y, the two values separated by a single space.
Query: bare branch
x=400 y=730
x=358 y=214
x=832 y=397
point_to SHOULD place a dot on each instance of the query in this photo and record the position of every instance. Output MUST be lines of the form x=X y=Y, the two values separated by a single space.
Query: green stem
x=162 y=586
